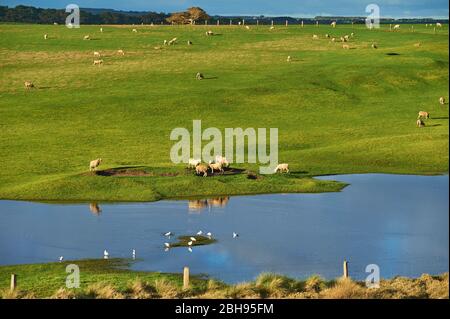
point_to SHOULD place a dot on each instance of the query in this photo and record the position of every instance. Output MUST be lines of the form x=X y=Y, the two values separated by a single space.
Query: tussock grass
x=105 y=280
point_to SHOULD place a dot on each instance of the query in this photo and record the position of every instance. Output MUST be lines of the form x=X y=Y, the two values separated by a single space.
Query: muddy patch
x=131 y=171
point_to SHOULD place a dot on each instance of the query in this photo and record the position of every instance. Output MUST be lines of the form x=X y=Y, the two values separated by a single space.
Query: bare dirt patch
x=130 y=172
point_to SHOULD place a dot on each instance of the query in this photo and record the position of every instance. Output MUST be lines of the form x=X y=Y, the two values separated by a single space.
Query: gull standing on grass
x=105 y=254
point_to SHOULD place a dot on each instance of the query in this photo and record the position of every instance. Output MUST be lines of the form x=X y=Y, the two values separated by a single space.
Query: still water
x=400 y=223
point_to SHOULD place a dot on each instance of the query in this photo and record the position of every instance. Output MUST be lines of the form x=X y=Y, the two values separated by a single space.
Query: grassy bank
x=111 y=279
x=338 y=111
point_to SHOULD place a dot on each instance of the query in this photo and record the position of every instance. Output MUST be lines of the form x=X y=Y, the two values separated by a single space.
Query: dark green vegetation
x=199 y=241
x=338 y=111
x=111 y=279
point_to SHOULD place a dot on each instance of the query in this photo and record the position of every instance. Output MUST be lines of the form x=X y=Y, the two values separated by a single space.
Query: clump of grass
x=315 y=284
x=200 y=241
x=63 y=293
x=139 y=289
x=242 y=291
x=344 y=288
x=16 y=294
x=271 y=285
x=102 y=291
x=166 y=289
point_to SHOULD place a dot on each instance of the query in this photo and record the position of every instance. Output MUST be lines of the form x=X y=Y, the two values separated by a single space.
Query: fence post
x=345 y=269
x=13 y=282
x=186 y=278
x=287 y=22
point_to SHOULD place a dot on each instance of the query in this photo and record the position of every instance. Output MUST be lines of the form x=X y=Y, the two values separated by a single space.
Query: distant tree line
x=27 y=14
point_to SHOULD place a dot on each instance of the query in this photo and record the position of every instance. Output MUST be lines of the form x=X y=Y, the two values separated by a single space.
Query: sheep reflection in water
x=201 y=204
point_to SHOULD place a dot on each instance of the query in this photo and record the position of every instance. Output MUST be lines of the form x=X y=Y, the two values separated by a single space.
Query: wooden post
x=231 y=22
x=302 y=23
x=257 y=22
x=317 y=23
x=13 y=282
x=345 y=269
x=243 y=21
x=186 y=278
x=272 y=23
x=218 y=22
x=287 y=22
x=206 y=22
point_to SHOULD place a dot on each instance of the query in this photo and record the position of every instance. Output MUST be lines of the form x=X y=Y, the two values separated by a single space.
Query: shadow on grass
x=392 y=53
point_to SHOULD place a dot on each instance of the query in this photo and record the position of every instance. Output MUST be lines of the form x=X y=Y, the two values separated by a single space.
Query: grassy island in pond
x=338 y=111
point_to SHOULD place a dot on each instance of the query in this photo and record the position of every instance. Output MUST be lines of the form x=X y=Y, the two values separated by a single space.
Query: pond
x=398 y=222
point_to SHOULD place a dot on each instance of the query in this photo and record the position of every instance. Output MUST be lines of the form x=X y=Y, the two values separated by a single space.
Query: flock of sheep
x=220 y=162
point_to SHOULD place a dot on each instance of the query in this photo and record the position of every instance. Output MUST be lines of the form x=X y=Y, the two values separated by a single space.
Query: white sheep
x=199 y=76
x=333 y=24
x=98 y=62
x=439 y=25
x=201 y=169
x=29 y=85
x=94 y=164
x=420 y=123
x=346 y=46
x=442 y=100
x=315 y=37
x=45 y=36
x=289 y=59
x=194 y=162
x=221 y=160
x=423 y=114
x=215 y=167
x=282 y=168
x=134 y=30
x=96 y=54
x=87 y=37
x=120 y=52
x=397 y=27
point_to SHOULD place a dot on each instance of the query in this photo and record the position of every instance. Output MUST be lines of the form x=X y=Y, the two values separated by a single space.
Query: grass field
x=338 y=111
x=111 y=279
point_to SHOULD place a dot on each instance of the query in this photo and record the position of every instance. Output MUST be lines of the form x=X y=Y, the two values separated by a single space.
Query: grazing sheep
x=315 y=37
x=96 y=54
x=120 y=52
x=439 y=25
x=374 y=46
x=201 y=169
x=289 y=59
x=333 y=39
x=94 y=164
x=327 y=35
x=98 y=62
x=189 y=42
x=134 y=30
x=45 y=36
x=215 y=167
x=208 y=33
x=333 y=24
x=442 y=100
x=271 y=27
x=352 y=34
x=199 y=76
x=423 y=114
x=173 y=41
x=165 y=42
x=101 y=30
x=29 y=85
x=346 y=37
x=343 y=39
x=282 y=168
x=194 y=162
x=397 y=27
x=420 y=123
x=221 y=160
x=157 y=47
x=247 y=27
x=345 y=46
x=417 y=45
x=87 y=37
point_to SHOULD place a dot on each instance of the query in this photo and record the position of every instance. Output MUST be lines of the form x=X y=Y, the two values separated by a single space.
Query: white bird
x=105 y=254
x=193 y=239
x=134 y=253
x=190 y=249
x=190 y=243
x=61 y=258
x=199 y=233
x=209 y=234
x=168 y=234
x=167 y=245
x=166 y=249
x=235 y=235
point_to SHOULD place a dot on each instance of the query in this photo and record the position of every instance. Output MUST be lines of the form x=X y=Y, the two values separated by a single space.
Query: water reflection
x=95 y=209
x=197 y=206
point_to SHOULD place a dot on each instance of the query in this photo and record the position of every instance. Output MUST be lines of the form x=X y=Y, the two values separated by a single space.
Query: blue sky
x=298 y=8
